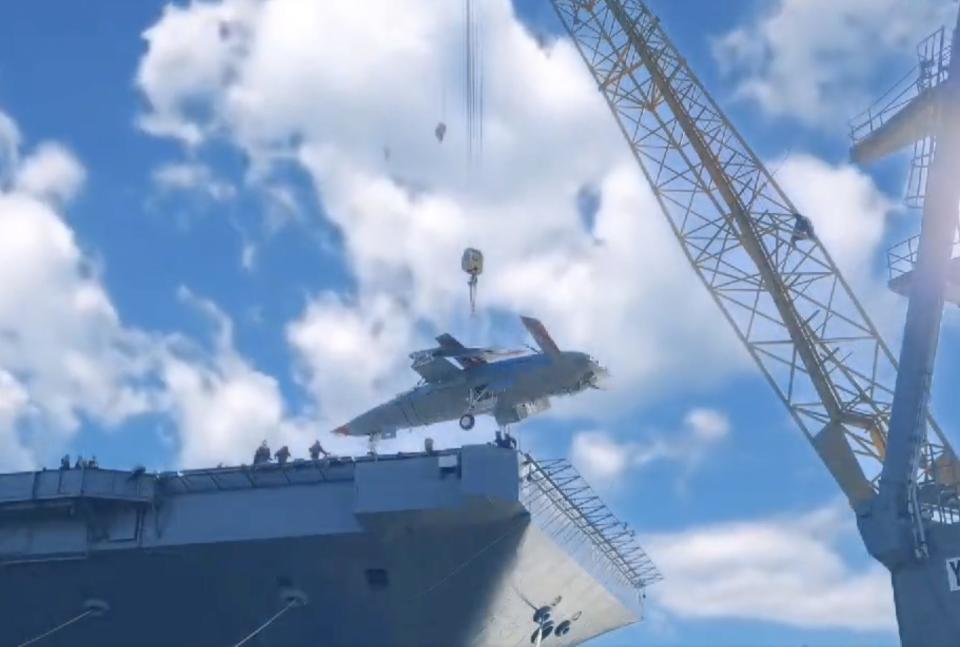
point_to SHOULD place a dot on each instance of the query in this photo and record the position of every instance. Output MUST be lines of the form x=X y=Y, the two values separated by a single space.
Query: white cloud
x=290 y=96
x=707 y=424
x=59 y=332
x=14 y=403
x=67 y=360
x=605 y=460
x=351 y=353
x=222 y=406
x=278 y=89
x=181 y=70
x=848 y=211
x=823 y=61
x=282 y=206
x=65 y=356
x=9 y=147
x=850 y=215
x=193 y=176
x=598 y=456
x=50 y=173
x=248 y=257
x=790 y=570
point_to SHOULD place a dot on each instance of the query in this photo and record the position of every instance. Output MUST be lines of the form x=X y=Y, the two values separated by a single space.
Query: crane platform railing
x=933 y=55
x=902 y=257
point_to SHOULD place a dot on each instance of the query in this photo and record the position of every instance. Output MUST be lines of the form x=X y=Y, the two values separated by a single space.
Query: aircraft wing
x=436 y=369
x=450 y=344
x=540 y=335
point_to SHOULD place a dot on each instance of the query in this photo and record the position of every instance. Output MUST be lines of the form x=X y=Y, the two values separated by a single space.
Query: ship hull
x=401 y=553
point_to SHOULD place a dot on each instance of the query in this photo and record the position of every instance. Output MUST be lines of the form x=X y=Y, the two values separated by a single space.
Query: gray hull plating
x=419 y=550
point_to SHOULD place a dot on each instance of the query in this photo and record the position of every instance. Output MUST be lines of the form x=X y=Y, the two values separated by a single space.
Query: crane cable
x=293 y=602
x=473 y=82
x=76 y=618
x=466 y=562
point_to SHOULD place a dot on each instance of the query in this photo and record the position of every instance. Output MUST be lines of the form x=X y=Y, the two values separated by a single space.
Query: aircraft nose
x=597 y=374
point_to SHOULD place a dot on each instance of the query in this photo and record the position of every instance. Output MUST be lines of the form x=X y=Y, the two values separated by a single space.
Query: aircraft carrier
x=479 y=545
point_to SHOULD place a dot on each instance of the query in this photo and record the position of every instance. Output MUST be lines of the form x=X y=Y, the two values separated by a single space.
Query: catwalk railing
x=563 y=504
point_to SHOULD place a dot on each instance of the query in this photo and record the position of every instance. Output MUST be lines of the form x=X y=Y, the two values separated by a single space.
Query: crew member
x=262 y=455
x=802 y=229
x=316 y=449
x=282 y=455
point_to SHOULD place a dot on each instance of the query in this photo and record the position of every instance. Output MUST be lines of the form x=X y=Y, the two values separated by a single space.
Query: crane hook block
x=472 y=261
x=472 y=264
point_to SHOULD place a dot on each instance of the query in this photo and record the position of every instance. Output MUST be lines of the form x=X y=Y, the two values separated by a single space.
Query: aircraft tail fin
x=539 y=333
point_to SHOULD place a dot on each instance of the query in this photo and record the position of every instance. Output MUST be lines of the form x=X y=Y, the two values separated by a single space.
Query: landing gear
x=467 y=421
x=504 y=439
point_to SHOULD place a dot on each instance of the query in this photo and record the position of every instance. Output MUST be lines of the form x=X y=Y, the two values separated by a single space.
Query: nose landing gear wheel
x=466 y=421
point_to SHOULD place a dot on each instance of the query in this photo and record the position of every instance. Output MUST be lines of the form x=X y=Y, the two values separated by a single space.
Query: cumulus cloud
x=788 y=570
x=222 y=406
x=60 y=332
x=850 y=215
x=598 y=456
x=605 y=460
x=65 y=355
x=849 y=212
x=68 y=360
x=823 y=61
x=270 y=80
x=404 y=221
x=14 y=403
x=50 y=173
x=180 y=73
x=350 y=354
x=707 y=424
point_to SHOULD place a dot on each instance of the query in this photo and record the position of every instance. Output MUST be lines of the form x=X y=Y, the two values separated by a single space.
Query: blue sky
x=216 y=246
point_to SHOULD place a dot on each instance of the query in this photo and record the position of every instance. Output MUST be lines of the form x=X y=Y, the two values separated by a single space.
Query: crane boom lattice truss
x=785 y=298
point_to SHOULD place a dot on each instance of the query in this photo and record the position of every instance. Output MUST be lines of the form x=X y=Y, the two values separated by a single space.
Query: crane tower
x=778 y=287
x=921 y=551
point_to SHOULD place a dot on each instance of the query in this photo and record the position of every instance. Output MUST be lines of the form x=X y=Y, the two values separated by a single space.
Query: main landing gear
x=372 y=440
x=467 y=421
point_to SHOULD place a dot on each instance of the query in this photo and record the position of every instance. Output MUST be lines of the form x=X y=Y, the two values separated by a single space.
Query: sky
x=229 y=221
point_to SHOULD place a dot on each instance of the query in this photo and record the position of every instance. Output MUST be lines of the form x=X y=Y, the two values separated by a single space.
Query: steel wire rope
x=63 y=625
x=459 y=567
x=289 y=605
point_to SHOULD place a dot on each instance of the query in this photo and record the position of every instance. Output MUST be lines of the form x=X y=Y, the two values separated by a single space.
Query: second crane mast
x=784 y=297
